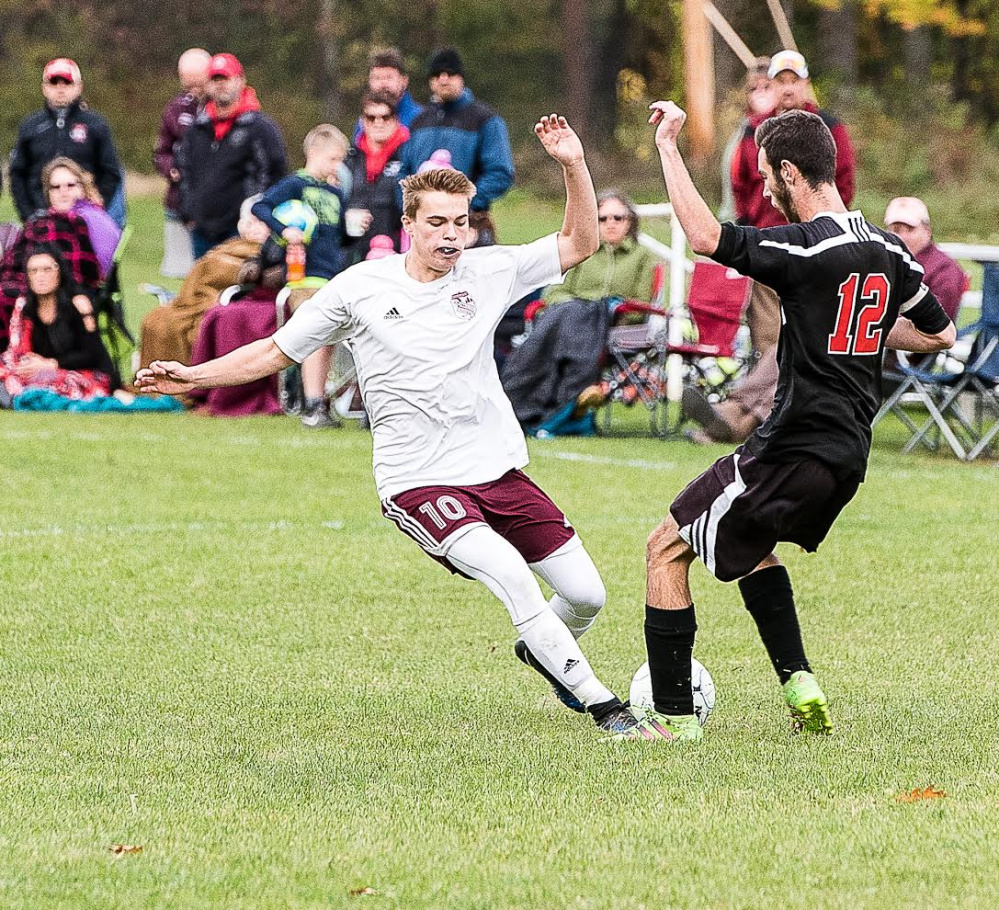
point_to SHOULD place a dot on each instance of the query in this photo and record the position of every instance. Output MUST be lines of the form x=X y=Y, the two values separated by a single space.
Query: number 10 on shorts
x=446 y=509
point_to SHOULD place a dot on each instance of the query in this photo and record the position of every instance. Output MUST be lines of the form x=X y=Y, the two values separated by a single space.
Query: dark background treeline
x=932 y=88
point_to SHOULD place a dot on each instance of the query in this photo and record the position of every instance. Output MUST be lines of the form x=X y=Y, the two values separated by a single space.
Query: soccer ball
x=700 y=681
x=298 y=214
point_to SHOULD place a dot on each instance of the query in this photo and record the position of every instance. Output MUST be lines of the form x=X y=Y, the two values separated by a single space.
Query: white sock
x=579 y=590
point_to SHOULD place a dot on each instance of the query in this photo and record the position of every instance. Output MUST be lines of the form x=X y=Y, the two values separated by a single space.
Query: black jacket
x=215 y=177
x=81 y=135
x=379 y=197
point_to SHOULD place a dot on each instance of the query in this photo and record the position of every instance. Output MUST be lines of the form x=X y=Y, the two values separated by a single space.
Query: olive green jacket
x=622 y=271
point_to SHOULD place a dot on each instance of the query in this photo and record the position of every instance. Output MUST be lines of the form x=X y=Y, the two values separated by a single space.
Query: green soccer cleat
x=655 y=726
x=808 y=704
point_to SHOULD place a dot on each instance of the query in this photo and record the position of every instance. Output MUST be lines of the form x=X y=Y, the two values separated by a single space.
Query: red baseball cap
x=61 y=68
x=224 y=65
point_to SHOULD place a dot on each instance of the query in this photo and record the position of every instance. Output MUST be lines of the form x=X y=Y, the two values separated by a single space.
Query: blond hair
x=438 y=180
x=86 y=179
x=324 y=134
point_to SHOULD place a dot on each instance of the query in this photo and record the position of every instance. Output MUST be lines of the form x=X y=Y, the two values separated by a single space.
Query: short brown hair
x=803 y=139
x=387 y=57
x=380 y=98
x=325 y=134
x=86 y=179
x=439 y=180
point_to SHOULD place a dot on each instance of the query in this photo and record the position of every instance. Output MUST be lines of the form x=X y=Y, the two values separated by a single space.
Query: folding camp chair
x=638 y=354
x=341 y=383
x=977 y=384
x=109 y=305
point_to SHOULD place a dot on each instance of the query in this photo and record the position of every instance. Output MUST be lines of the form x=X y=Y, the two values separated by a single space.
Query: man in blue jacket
x=474 y=134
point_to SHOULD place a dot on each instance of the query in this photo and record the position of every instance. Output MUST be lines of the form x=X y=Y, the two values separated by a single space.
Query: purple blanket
x=225 y=328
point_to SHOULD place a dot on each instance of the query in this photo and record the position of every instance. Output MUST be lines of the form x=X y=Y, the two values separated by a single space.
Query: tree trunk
x=838 y=45
x=699 y=79
x=918 y=44
x=577 y=56
x=608 y=43
x=329 y=85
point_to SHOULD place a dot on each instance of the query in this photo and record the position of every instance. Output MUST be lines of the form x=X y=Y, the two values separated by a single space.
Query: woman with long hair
x=54 y=340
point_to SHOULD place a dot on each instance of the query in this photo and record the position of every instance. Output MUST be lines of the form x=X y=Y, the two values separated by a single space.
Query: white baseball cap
x=907 y=210
x=788 y=60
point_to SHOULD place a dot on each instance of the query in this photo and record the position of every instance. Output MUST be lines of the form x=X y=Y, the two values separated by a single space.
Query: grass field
x=214 y=648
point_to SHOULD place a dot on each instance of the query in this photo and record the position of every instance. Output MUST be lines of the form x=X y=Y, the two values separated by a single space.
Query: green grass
x=214 y=647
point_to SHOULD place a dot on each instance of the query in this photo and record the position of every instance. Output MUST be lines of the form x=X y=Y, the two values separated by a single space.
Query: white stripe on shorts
x=411 y=527
x=702 y=532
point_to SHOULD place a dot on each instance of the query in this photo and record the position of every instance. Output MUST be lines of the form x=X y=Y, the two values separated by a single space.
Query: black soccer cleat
x=524 y=655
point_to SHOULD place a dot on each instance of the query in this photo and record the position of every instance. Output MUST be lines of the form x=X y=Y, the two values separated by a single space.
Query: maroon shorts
x=514 y=506
x=734 y=514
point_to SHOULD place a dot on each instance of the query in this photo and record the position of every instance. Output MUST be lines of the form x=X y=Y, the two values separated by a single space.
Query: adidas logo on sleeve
x=393 y=314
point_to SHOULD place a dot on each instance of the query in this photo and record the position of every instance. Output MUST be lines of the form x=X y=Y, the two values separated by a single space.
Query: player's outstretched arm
x=698 y=222
x=252 y=361
x=580 y=235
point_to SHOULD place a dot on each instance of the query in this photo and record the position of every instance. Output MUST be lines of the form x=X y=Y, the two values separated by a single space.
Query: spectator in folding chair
x=560 y=359
x=168 y=332
x=54 y=340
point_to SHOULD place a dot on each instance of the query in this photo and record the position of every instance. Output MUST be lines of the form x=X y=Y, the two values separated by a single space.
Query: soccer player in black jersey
x=847 y=290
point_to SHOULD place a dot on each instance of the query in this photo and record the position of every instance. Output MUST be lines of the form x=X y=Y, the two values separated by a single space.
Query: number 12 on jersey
x=864 y=337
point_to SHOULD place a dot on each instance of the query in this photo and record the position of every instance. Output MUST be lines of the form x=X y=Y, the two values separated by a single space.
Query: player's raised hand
x=668 y=119
x=167 y=377
x=559 y=139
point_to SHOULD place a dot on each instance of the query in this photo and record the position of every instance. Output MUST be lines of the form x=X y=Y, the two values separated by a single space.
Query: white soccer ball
x=701 y=683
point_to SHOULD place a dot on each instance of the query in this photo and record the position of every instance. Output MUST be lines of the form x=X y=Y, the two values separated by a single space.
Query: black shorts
x=735 y=513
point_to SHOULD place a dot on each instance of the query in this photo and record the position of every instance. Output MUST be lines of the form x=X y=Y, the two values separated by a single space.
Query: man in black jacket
x=65 y=126
x=231 y=152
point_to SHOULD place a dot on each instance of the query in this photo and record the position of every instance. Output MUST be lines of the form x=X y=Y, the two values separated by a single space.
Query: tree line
x=598 y=60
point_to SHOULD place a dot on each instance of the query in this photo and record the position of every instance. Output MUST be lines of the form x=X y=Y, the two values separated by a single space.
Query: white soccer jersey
x=424 y=357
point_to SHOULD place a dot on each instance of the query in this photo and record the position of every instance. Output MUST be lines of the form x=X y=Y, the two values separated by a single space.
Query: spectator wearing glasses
x=474 y=134
x=547 y=375
x=387 y=76
x=54 y=340
x=64 y=127
x=374 y=163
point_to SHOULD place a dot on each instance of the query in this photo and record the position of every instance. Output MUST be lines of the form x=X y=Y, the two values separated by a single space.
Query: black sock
x=770 y=602
x=669 y=638
x=599 y=711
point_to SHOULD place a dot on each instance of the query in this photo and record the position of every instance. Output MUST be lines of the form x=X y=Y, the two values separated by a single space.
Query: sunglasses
x=64 y=186
x=60 y=80
x=378 y=118
x=618 y=218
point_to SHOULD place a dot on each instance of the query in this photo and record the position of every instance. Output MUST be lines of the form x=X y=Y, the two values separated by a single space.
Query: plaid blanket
x=67 y=232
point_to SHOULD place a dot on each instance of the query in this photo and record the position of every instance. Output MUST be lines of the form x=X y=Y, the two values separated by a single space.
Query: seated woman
x=71 y=188
x=374 y=207
x=66 y=228
x=561 y=356
x=54 y=341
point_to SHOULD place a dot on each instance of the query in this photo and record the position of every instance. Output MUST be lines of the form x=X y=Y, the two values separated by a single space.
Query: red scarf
x=375 y=161
x=247 y=102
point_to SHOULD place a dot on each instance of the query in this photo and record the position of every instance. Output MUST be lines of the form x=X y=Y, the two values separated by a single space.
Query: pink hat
x=225 y=66
x=62 y=68
x=907 y=210
x=440 y=160
x=381 y=246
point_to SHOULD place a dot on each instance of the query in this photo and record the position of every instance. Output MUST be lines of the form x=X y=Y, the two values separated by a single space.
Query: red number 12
x=867 y=338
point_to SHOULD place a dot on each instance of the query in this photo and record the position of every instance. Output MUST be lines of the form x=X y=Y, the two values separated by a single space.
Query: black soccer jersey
x=842 y=284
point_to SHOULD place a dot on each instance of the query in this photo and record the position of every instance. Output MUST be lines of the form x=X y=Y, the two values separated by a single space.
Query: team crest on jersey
x=78 y=133
x=463 y=305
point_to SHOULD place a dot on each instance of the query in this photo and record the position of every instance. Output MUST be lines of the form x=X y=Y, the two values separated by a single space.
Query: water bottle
x=294 y=263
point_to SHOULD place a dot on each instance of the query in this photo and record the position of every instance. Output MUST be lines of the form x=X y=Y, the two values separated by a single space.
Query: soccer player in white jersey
x=447 y=448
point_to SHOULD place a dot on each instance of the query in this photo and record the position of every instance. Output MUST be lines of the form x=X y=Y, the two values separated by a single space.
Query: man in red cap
x=65 y=126
x=232 y=151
